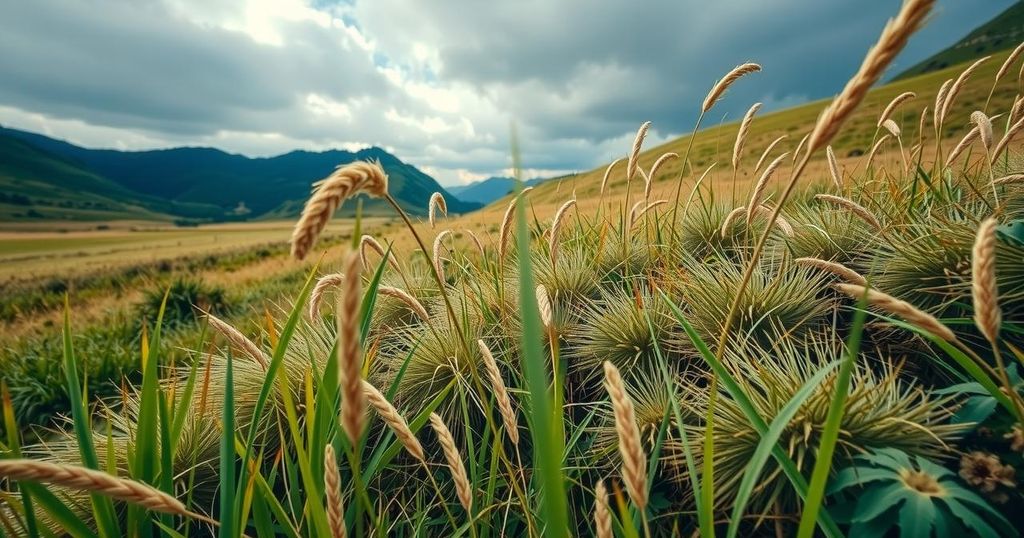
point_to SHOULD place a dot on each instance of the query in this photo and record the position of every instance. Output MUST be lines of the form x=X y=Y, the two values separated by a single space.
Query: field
x=811 y=347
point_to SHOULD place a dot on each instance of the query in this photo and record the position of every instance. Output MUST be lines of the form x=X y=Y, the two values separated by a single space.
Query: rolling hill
x=488 y=190
x=713 y=145
x=1004 y=31
x=183 y=183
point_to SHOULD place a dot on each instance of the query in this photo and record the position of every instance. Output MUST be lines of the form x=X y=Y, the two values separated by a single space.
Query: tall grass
x=704 y=371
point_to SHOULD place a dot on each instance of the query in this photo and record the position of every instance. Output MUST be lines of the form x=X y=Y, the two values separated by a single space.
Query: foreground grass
x=730 y=365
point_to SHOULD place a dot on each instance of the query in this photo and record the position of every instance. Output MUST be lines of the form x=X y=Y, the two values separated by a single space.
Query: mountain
x=1004 y=31
x=484 y=191
x=488 y=190
x=201 y=183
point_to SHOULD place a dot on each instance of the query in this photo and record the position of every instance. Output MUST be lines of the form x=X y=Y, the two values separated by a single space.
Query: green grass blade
x=275 y=364
x=227 y=456
x=798 y=481
x=69 y=521
x=13 y=450
x=106 y=520
x=770 y=439
x=830 y=435
x=703 y=522
x=962 y=360
x=548 y=445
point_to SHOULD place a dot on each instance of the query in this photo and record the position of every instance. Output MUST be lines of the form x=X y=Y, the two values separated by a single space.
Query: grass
x=741 y=438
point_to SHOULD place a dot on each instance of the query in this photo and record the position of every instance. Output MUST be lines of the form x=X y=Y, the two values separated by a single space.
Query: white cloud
x=438 y=83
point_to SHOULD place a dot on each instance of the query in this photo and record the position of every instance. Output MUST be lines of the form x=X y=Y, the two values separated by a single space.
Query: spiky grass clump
x=929 y=265
x=573 y=277
x=390 y=312
x=883 y=410
x=629 y=257
x=831 y=235
x=627 y=330
x=701 y=232
x=435 y=360
x=783 y=300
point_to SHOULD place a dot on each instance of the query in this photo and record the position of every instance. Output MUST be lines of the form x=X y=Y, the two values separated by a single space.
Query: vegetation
x=52 y=179
x=799 y=358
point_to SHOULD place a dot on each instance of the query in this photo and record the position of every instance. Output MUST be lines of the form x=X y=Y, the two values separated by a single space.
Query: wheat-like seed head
x=92 y=481
x=730 y=218
x=890 y=43
x=1012 y=178
x=852 y=207
x=1005 y=141
x=1003 y=69
x=765 y=212
x=350 y=355
x=547 y=316
x=607 y=174
x=476 y=241
x=436 y=258
x=984 y=287
x=239 y=340
x=903 y=309
x=838 y=269
x=962 y=146
x=405 y=297
x=891 y=107
x=637 y=212
x=767 y=151
x=920 y=126
x=762 y=184
x=1015 y=110
x=394 y=420
x=741 y=135
x=506 y=223
x=451 y=454
x=436 y=204
x=833 y=167
x=634 y=461
x=984 y=128
x=556 y=229
x=891 y=126
x=874 y=149
x=959 y=84
x=508 y=416
x=316 y=297
x=723 y=84
x=602 y=514
x=368 y=242
x=800 y=146
x=666 y=157
x=940 y=101
x=332 y=488
x=633 y=163
x=360 y=177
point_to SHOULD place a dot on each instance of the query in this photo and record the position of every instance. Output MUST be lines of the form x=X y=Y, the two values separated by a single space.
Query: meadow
x=820 y=336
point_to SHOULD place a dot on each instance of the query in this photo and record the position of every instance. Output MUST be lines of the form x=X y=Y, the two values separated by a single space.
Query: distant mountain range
x=1004 y=31
x=488 y=190
x=44 y=178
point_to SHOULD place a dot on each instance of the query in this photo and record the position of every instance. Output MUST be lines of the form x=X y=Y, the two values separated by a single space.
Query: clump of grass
x=187 y=298
x=883 y=410
x=615 y=329
x=779 y=301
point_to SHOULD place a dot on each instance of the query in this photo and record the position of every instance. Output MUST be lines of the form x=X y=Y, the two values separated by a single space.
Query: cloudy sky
x=436 y=82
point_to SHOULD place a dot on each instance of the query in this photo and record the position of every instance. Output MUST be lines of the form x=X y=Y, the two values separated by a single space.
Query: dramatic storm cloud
x=436 y=82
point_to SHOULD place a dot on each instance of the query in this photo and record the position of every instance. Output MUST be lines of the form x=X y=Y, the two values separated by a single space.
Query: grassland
x=705 y=373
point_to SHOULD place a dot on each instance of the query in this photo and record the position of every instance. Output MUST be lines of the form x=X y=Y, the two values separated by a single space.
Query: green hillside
x=1005 y=31
x=35 y=184
x=196 y=184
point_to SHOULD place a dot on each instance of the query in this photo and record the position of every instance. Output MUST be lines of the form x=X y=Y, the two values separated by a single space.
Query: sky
x=437 y=83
